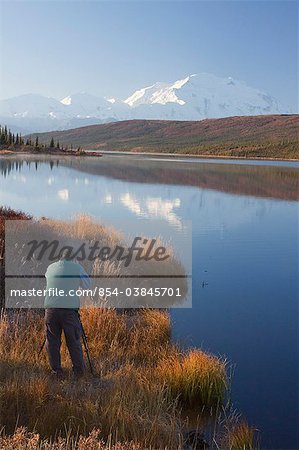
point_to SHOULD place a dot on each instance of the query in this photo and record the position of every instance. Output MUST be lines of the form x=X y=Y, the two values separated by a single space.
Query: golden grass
x=5 y=152
x=195 y=377
x=84 y=227
x=133 y=398
x=241 y=436
x=22 y=439
x=144 y=383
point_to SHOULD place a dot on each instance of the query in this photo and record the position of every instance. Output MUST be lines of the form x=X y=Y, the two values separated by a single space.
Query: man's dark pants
x=68 y=321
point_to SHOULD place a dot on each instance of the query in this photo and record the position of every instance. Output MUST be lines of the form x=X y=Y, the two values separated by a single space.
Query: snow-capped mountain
x=195 y=97
x=202 y=96
x=83 y=105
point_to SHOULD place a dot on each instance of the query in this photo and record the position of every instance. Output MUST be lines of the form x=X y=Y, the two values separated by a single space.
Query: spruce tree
x=2 y=136
x=36 y=141
x=17 y=139
x=52 y=145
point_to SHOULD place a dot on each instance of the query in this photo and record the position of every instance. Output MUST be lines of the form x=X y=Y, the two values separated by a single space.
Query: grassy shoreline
x=146 y=384
x=24 y=150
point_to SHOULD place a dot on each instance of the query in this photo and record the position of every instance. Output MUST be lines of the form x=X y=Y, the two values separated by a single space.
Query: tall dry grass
x=240 y=436
x=143 y=387
x=132 y=399
x=22 y=439
x=196 y=378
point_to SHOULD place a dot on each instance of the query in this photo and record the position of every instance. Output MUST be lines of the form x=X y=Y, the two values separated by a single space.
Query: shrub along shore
x=148 y=392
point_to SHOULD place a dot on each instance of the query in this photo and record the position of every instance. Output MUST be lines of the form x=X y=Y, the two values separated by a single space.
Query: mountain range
x=196 y=97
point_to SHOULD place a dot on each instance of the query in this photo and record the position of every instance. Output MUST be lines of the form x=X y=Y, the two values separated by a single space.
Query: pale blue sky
x=56 y=48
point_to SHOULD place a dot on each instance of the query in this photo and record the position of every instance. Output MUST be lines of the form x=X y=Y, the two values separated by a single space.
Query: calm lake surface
x=245 y=256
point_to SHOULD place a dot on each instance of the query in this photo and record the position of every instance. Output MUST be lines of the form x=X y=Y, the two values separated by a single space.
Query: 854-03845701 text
x=99 y=291
x=135 y=272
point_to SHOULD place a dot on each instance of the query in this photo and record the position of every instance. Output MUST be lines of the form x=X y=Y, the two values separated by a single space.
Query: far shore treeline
x=10 y=141
x=8 y=138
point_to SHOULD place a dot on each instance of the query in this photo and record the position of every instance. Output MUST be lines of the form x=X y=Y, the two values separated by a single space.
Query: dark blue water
x=249 y=312
x=245 y=251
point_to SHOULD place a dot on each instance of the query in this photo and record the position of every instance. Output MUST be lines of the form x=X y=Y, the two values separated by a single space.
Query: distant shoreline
x=97 y=154
x=47 y=152
x=189 y=155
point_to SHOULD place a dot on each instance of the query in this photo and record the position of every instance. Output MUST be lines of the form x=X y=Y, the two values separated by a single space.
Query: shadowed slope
x=272 y=136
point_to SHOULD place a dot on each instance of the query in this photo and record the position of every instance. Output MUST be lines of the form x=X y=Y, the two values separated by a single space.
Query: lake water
x=245 y=256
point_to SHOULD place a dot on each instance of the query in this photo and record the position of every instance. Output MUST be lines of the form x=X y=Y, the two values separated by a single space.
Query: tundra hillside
x=272 y=136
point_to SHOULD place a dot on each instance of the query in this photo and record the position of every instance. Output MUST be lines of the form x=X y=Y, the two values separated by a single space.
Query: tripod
x=85 y=343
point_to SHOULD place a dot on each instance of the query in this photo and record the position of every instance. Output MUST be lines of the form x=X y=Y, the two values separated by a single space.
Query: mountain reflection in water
x=257 y=180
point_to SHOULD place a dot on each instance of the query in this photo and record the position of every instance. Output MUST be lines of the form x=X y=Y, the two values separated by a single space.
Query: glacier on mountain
x=195 y=97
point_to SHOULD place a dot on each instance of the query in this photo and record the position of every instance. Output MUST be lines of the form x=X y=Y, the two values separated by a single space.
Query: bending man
x=62 y=313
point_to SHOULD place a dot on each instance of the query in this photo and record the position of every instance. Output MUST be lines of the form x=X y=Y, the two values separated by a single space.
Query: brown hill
x=272 y=136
